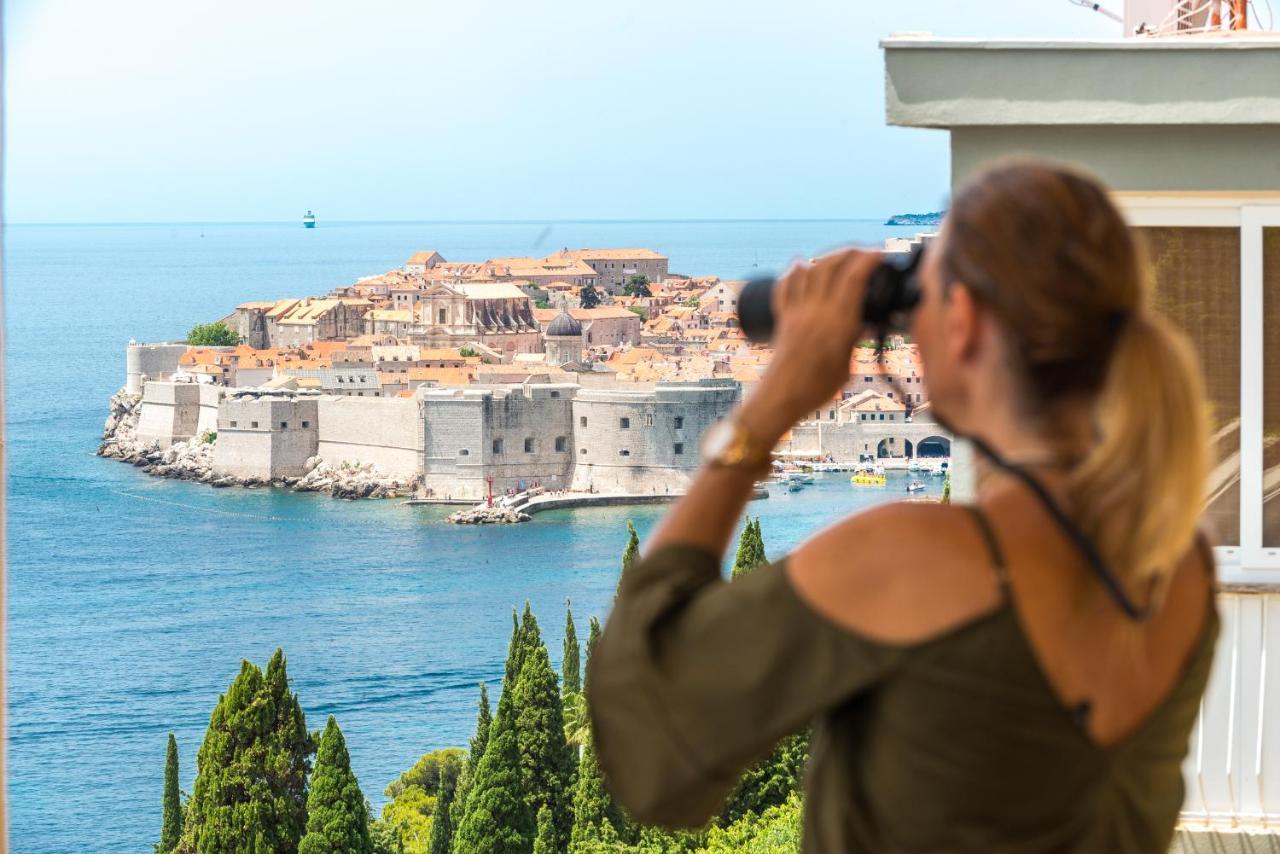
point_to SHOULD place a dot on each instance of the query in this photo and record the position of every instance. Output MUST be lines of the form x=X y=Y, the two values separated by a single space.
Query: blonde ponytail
x=1139 y=492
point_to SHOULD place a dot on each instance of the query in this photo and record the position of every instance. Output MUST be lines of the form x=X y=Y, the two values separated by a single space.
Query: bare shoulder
x=900 y=573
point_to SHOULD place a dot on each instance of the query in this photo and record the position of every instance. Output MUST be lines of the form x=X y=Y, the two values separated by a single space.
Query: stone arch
x=934 y=446
x=888 y=447
x=907 y=448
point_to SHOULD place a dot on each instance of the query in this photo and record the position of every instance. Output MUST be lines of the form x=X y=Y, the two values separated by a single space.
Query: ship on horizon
x=309 y=220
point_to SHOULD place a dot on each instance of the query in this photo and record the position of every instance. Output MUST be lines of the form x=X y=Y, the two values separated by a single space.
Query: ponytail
x=1139 y=492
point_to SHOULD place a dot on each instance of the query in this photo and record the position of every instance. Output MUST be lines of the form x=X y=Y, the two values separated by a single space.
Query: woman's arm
x=819 y=312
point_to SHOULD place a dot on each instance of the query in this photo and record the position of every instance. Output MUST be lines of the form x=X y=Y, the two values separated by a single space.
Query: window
x=624 y=423
x=528 y=446
x=890 y=416
x=648 y=419
x=555 y=394
x=442 y=315
x=233 y=423
x=253 y=424
x=679 y=423
x=678 y=448
x=561 y=443
x=868 y=379
x=359 y=394
x=881 y=416
x=463 y=452
x=583 y=451
x=624 y=453
x=284 y=425
x=582 y=422
x=831 y=415
x=497 y=446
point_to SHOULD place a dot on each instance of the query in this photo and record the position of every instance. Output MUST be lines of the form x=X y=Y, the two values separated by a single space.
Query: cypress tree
x=337 y=818
x=442 y=819
x=497 y=819
x=251 y=770
x=596 y=816
x=570 y=664
x=946 y=489
x=632 y=551
x=515 y=654
x=750 y=553
x=479 y=742
x=171 y=824
x=531 y=635
x=545 y=757
x=545 y=841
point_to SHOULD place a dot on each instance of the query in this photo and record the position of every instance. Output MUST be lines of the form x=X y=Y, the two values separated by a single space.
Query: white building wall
x=152 y=361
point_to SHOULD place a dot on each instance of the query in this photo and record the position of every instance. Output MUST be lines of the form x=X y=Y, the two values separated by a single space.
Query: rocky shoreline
x=193 y=460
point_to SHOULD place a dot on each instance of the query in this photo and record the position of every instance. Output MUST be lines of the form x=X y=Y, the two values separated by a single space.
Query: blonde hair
x=1043 y=247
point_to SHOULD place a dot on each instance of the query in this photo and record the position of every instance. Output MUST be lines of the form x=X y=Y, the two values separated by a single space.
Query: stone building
x=266 y=435
x=615 y=266
x=563 y=340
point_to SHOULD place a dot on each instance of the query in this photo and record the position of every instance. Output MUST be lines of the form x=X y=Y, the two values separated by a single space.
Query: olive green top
x=954 y=744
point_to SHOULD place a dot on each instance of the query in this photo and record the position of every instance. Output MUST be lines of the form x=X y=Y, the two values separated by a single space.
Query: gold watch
x=729 y=444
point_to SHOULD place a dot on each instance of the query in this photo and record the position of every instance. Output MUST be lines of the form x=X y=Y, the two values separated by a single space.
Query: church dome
x=564 y=324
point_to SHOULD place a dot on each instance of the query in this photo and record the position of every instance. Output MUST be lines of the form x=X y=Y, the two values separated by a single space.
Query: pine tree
x=497 y=819
x=545 y=757
x=545 y=841
x=251 y=770
x=171 y=824
x=479 y=743
x=750 y=549
x=337 y=818
x=570 y=664
x=593 y=806
x=442 y=819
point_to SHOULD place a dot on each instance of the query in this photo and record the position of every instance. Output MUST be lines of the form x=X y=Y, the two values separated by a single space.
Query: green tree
x=545 y=841
x=545 y=757
x=497 y=819
x=479 y=741
x=442 y=819
x=515 y=656
x=637 y=286
x=589 y=297
x=216 y=334
x=750 y=549
x=385 y=838
x=171 y=823
x=570 y=664
x=946 y=489
x=411 y=814
x=251 y=771
x=596 y=816
x=632 y=551
x=337 y=818
x=431 y=771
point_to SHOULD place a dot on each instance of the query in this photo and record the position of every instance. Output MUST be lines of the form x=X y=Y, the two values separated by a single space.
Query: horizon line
x=572 y=221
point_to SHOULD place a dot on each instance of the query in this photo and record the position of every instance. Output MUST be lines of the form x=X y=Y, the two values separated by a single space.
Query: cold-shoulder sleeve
x=694 y=678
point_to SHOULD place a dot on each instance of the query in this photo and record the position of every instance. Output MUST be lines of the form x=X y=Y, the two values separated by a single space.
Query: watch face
x=717 y=440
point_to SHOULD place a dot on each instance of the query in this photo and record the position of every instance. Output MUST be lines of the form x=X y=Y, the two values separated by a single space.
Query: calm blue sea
x=131 y=601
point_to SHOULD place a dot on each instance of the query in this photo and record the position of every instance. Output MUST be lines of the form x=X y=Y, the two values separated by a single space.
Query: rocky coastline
x=193 y=460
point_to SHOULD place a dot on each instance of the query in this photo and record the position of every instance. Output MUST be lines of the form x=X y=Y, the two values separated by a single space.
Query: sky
x=230 y=110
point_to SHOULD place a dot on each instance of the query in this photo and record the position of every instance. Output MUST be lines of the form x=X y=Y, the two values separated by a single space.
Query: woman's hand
x=818 y=311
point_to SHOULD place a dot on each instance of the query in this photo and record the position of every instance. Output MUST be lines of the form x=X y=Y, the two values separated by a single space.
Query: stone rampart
x=265 y=438
x=150 y=362
x=382 y=432
x=175 y=412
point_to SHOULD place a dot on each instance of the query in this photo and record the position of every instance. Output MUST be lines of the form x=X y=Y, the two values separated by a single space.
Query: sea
x=132 y=600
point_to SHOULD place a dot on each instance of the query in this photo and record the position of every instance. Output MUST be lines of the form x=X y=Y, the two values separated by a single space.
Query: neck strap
x=1073 y=532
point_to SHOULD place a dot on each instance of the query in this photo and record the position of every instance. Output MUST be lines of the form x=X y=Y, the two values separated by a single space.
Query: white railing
x=1235 y=745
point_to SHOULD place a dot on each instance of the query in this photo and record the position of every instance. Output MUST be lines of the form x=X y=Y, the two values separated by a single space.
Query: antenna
x=1097 y=7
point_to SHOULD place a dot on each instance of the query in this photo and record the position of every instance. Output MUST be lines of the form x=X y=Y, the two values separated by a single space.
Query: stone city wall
x=851 y=441
x=265 y=438
x=152 y=361
x=174 y=412
x=383 y=432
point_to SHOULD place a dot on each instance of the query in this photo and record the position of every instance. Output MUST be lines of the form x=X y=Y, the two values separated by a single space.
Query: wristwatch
x=729 y=444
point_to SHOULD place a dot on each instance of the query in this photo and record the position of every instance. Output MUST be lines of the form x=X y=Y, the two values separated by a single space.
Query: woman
x=1019 y=675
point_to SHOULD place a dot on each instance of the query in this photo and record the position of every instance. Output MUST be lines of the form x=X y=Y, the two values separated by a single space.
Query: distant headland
x=916 y=219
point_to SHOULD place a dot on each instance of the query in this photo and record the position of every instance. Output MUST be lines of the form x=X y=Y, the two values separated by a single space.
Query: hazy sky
x=227 y=110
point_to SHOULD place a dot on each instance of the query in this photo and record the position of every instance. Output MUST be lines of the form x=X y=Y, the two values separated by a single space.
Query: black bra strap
x=1073 y=532
x=993 y=545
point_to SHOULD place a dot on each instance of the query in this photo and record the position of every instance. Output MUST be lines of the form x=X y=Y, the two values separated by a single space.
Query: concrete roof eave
x=1185 y=80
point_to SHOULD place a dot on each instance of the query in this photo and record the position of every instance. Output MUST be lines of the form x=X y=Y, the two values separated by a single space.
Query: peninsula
x=590 y=372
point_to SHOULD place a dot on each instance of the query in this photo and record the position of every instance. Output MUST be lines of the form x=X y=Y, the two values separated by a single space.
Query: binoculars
x=893 y=292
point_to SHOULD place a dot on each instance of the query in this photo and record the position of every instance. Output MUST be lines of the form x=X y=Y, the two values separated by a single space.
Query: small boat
x=795 y=486
x=309 y=220
x=805 y=479
x=915 y=486
x=914 y=465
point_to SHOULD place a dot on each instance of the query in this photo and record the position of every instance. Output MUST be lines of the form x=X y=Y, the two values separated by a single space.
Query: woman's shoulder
x=900 y=573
